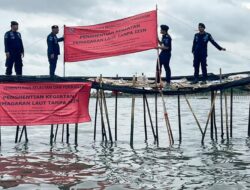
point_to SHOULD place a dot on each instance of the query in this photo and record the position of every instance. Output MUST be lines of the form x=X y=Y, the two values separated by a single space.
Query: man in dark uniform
x=165 y=55
x=13 y=49
x=53 y=49
x=199 y=51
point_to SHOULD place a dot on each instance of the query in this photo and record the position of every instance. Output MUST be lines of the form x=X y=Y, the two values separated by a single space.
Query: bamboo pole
x=67 y=133
x=169 y=130
x=56 y=133
x=0 y=136
x=116 y=105
x=24 y=130
x=249 y=122
x=150 y=118
x=209 y=116
x=145 y=119
x=107 y=117
x=179 y=119
x=104 y=136
x=226 y=112
x=96 y=110
x=132 y=117
x=221 y=107
x=189 y=105
x=231 y=113
x=62 y=132
x=212 y=118
x=51 y=134
x=156 y=118
x=26 y=135
x=17 y=133
x=76 y=134
x=215 y=125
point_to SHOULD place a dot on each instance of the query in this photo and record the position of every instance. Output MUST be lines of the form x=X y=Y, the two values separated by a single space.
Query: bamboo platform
x=218 y=85
x=180 y=84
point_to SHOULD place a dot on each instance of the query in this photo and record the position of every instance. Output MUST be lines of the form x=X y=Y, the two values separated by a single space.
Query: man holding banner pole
x=165 y=55
x=53 y=49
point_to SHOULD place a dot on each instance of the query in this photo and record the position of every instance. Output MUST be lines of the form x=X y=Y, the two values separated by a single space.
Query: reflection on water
x=97 y=165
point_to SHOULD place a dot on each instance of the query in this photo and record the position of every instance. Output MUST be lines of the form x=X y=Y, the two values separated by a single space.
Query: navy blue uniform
x=14 y=46
x=164 y=57
x=53 y=48
x=199 y=51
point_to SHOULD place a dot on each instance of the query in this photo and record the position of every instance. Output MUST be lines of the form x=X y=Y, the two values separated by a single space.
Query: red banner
x=44 y=103
x=128 y=35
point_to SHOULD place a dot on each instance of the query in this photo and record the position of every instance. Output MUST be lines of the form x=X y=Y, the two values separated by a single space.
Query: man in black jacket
x=199 y=51
x=13 y=49
x=53 y=49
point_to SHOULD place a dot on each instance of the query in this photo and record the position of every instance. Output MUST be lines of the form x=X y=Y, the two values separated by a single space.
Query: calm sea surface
x=96 y=165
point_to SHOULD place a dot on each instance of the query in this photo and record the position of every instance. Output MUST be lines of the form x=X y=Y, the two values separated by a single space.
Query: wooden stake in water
x=249 y=122
x=51 y=134
x=67 y=133
x=179 y=118
x=107 y=117
x=209 y=117
x=212 y=118
x=76 y=134
x=226 y=112
x=17 y=133
x=145 y=118
x=156 y=118
x=116 y=105
x=189 y=105
x=221 y=107
x=96 y=110
x=231 y=113
x=150 y=118
x=104 y=136
x=132 y=117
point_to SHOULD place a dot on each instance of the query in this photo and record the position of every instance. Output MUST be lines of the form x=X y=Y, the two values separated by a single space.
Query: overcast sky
x=227 y=20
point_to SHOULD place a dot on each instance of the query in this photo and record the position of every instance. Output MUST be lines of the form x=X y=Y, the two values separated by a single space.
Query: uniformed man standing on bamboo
x=13 y=49
x=53 y=49
x=165 y=55
x=199 y=51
